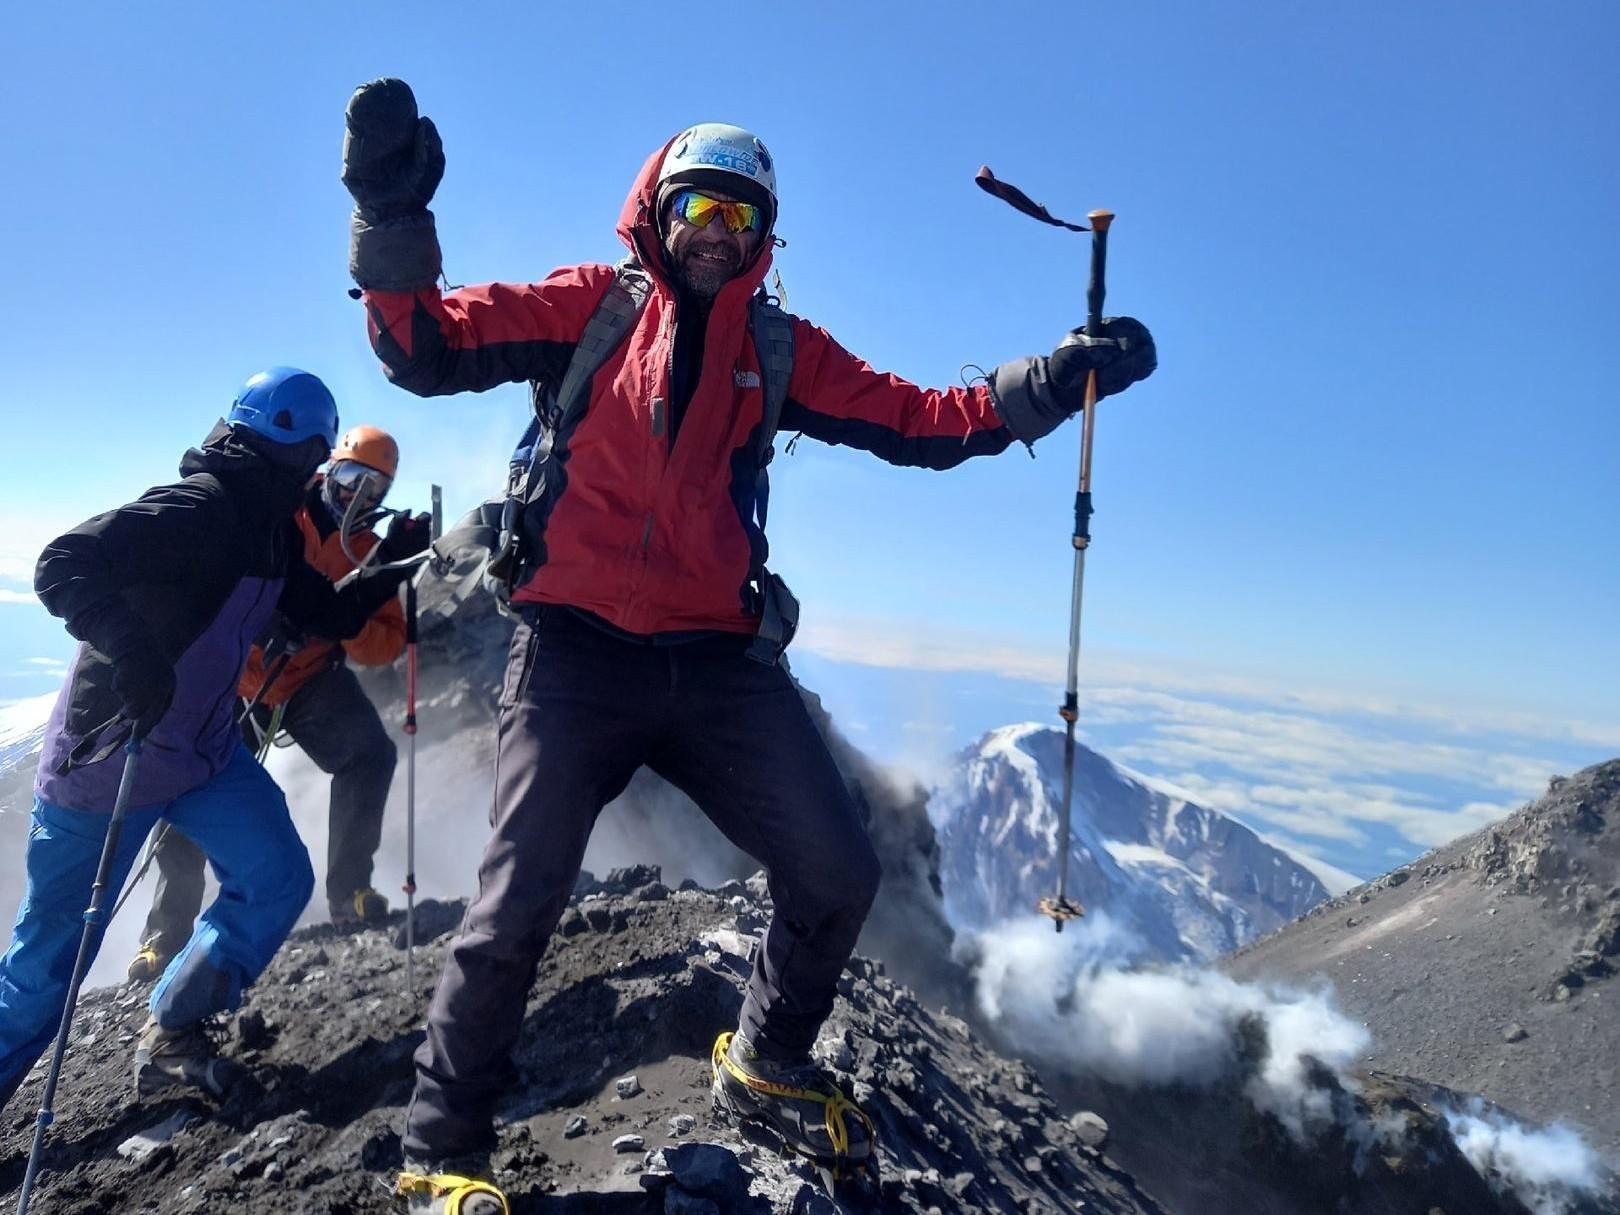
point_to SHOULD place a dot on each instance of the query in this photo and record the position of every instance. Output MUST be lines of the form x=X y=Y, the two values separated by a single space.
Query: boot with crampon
x=443 y=1188
x=187 y=1058
x=798 y=1103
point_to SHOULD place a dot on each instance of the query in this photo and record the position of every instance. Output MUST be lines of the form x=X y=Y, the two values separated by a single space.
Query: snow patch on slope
x=1335 y=879
x=22 y=727
x=1188 y=881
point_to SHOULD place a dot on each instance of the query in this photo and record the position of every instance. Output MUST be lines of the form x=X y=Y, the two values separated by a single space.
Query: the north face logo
x=746 y=379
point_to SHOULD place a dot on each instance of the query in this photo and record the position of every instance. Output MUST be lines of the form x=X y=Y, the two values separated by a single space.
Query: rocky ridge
x=1485 y=966
x=609 y=1107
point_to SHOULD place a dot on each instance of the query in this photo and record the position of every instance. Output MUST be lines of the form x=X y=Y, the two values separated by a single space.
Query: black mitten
x=1034 y=395
x=393 y=161
x=144 y=681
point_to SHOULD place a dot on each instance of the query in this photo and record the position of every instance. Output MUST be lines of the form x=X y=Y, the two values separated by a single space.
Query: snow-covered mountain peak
x=1189 y=881
x=22 y=728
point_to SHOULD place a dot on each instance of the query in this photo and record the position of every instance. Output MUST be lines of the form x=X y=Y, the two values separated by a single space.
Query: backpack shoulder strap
x=773 y=343
x=615 y=316
x=555 y=412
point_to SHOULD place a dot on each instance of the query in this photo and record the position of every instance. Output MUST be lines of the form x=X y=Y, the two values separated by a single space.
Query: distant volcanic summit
x=1189 y=882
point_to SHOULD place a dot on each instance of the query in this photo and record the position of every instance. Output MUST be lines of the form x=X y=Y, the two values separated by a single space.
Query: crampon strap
x=448 y=1185
x=838 y=1106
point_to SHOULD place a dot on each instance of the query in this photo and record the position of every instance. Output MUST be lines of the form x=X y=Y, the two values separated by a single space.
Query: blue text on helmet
x=723 y=157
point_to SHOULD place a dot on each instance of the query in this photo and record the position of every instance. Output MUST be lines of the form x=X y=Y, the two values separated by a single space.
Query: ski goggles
x=698 y=209
x=348 y=480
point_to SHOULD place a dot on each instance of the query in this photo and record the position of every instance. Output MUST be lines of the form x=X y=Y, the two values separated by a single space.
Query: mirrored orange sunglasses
x=697 y=209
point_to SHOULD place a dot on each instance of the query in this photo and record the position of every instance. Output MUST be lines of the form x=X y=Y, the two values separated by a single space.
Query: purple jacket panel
x=194 y=740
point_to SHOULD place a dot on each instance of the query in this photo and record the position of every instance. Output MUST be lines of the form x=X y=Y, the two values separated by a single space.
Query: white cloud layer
x=1325 y=765
x=883 y=643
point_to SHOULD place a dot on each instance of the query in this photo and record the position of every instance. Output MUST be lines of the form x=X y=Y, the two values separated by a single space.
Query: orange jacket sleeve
x=383 y=638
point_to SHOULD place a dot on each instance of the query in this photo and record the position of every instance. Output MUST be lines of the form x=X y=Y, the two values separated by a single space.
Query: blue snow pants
x=239 y=819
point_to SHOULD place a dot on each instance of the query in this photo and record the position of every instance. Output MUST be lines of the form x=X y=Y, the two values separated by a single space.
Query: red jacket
x=651 y=536
x=379 y=643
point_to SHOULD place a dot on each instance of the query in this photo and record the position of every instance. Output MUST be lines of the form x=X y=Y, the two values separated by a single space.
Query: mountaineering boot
x=365 y=906
x=798 y=1102
x=441 y=1188
x=147 y=964
x=184 y=1057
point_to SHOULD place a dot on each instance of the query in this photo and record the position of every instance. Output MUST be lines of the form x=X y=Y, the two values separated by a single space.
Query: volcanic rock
x=320 y=1131
x=1517 y=926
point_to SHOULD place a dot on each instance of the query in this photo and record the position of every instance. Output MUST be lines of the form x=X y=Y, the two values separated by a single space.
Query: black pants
x=337 y=726
x=581 y=711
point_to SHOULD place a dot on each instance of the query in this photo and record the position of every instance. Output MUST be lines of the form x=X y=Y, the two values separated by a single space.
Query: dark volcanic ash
x=639 y=981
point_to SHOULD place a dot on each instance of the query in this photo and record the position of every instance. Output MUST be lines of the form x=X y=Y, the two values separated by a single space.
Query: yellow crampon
x=837 y=1106
x=145 y=964
x=449 y=1186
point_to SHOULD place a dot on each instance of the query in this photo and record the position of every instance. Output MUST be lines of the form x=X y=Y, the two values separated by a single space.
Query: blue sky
x=1372 y=485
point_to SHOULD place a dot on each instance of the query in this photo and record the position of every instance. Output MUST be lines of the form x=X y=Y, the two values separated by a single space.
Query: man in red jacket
x=310 y=693
x=641 y=585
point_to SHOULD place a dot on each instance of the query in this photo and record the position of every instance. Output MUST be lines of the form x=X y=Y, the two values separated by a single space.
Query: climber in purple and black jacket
x=167 y=596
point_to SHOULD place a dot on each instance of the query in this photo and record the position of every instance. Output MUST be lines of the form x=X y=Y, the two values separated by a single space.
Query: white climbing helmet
x=722 y=157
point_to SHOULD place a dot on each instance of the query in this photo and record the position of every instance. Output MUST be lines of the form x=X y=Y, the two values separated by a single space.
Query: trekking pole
x=92 y=927
x=410 y=786
x=1061 y=908
x=437 y=526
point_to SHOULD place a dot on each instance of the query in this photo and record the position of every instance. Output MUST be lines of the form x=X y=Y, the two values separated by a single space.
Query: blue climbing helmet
x=286 y=405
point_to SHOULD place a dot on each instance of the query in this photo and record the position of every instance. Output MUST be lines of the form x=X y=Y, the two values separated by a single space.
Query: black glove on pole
x=145 y=682
x=92 y=930
x=407 y=535
x=1062 y=909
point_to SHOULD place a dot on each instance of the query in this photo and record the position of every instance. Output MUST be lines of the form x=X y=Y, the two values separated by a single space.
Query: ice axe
x=93 y=923
x=1060 y=908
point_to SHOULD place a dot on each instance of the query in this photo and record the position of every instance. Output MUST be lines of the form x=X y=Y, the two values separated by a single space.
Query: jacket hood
x=260 y=487
x=638 y=229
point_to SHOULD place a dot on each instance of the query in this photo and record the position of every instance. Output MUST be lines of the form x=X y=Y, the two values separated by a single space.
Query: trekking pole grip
x=1099 y=268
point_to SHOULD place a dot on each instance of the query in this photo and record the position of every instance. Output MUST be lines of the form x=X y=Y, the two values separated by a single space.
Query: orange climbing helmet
x=371 y=446
x=362 y=467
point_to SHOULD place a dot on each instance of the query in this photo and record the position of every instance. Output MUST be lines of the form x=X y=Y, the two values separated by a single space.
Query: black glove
x=281 y=636
x=407 y=535
x=1033 y=396
x=392 y=163
x=144 y=682
x=358 y=602
x=1121 y=355
x=392 y=159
